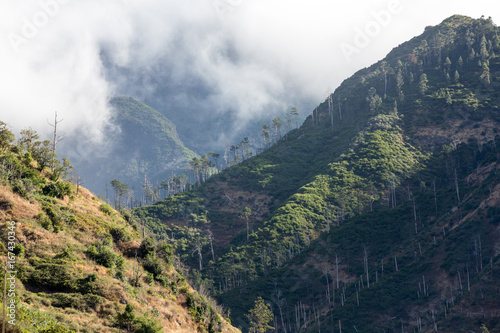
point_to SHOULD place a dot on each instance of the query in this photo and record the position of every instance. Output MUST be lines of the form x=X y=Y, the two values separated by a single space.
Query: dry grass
x=21 y=208
x=91 y=224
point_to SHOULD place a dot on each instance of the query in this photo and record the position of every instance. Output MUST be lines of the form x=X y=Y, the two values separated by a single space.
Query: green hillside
x=144 y=148
x=77 y=265
x=398 y=167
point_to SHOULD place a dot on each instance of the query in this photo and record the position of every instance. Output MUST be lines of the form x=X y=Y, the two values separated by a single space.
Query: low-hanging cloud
x=208 y=58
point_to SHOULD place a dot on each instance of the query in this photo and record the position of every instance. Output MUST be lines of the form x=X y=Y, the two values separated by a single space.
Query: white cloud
x=248 y=55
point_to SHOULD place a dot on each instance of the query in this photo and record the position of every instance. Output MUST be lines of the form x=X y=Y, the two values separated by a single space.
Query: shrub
x=106 y=209
x=57 y=190
x=18 y=250
x=89 y=285
x=103 y=255
x=165 y=251
x=153 y=265
x=54 y=276
x=53 y=216
x=149 y=278
x=147 y=247
x=76 y=301
x=127 y=318
x=120 y=235
x=146 y=324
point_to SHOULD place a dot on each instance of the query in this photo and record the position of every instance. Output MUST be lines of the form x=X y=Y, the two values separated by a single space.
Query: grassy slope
x=61 y=286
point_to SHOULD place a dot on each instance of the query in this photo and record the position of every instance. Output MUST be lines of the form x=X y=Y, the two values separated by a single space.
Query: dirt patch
x=481 y=174
x=453 y=132
x=229 y=202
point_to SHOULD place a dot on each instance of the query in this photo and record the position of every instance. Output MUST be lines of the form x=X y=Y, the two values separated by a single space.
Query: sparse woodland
x=379 y=213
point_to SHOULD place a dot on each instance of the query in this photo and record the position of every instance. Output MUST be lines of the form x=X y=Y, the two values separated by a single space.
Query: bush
x=127 y=318
x=120 y=235
x=106 y=209
x=76 y=301
x=18 y=250
x=103 y=255
x=147 y=247
x=149 y=278
x=153 y=265
x=57 y=190
x=146 y=324
x=165 y=251
x=89 y=285
x=53 y=216
x=54 y=276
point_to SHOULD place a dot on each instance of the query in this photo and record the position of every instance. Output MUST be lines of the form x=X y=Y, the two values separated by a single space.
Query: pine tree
x=485 y=75
x=260 y=317
x=295 y=113
x=400 y=82
x=483 y=51
x=423 y=84
x=447 y=64
x=373 y=99
x=245 y=213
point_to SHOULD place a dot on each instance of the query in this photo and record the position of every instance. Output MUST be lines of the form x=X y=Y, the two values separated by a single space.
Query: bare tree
x=55 y=141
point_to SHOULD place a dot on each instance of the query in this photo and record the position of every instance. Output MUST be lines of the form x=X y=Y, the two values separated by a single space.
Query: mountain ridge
x=403 y=135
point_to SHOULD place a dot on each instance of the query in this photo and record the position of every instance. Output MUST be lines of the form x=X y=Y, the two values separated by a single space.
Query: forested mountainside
x=144 y=149
x=77 y=265
x=380 y=213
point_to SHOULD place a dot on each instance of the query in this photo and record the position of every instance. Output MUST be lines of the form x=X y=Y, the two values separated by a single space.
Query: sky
x=236 y=57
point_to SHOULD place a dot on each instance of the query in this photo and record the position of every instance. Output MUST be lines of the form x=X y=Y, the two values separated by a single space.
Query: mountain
x=77 y=265
x=380 y=213
x=144 y=149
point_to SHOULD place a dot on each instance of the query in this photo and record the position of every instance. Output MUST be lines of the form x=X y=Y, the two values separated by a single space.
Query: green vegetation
x=390 y=182
x=260 y=317
x=75 y=256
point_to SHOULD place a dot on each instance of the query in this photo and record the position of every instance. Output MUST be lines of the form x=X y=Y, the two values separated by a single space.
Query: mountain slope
x=79 y=265
x=400 y=153
x=146 y=149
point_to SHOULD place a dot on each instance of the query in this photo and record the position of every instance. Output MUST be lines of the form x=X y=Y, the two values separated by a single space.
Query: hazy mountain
x=144 y=148
x=380 y=213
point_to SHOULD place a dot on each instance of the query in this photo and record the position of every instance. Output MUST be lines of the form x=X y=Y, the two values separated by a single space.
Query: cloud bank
x=232 y=60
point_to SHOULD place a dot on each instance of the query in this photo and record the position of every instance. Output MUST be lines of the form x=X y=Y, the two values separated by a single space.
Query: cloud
x=238 y=60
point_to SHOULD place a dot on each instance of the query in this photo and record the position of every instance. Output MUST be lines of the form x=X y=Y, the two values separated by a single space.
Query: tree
x=449 y=101
x=127 y=318
x=374 y=100
x=55 y=141
x=485 y=75
x=119 y=189
x=196 y=166
x=6 y=136
x=457 y=77
x=245 y=213
x=215 y=156
x=483 y=51
x=277 y=123
x=260 y=317
x=447 y=64
x=423 y=84
x=28 y=140
x=400 y=82
x=295 y=113
x=484 y=329
x=265 y=134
